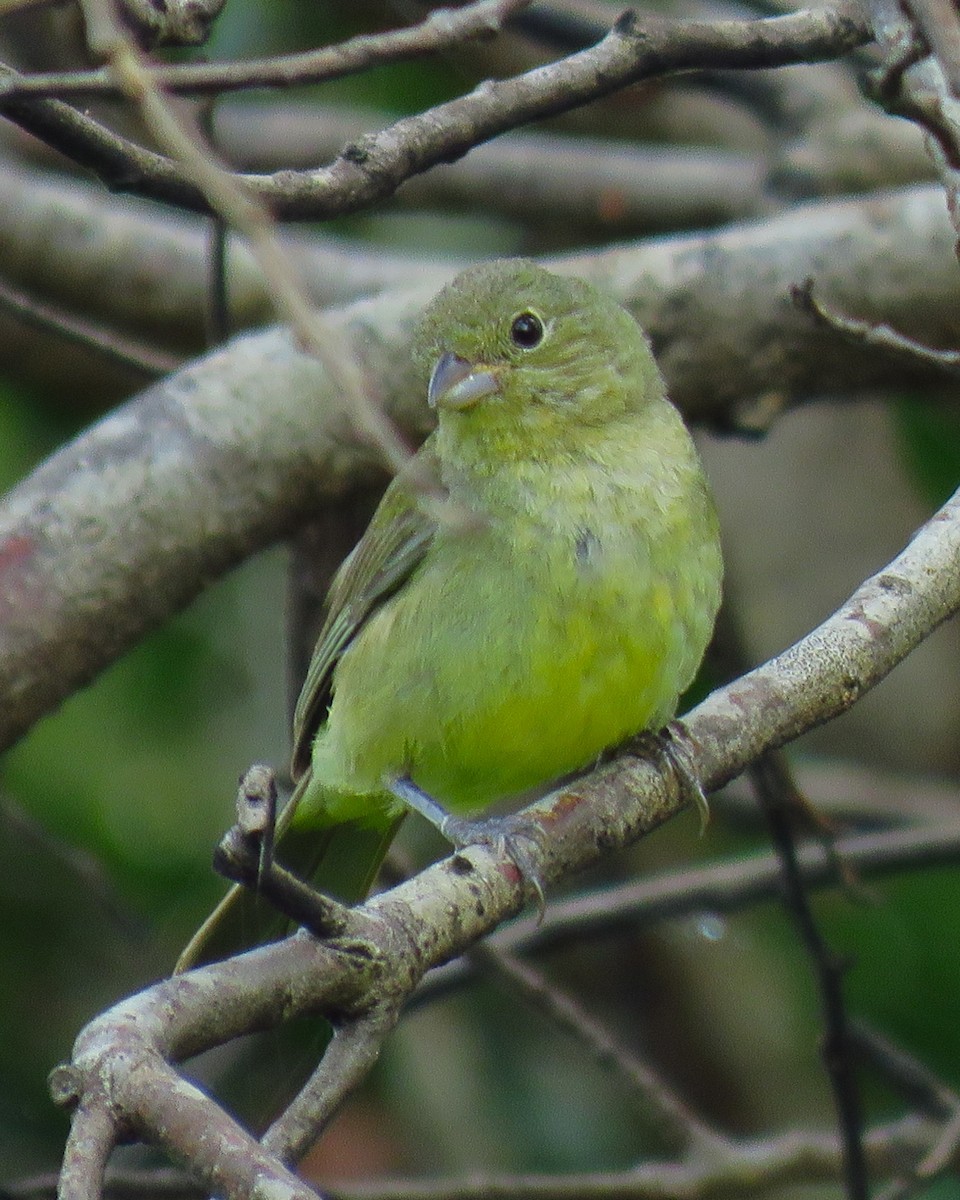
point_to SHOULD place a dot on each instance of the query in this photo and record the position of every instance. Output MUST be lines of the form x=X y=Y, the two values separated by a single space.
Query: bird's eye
x=527 y=331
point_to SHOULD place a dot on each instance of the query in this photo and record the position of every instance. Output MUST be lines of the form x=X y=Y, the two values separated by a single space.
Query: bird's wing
x=392 y=546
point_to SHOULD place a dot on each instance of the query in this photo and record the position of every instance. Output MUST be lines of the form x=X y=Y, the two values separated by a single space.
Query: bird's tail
x=340 y=860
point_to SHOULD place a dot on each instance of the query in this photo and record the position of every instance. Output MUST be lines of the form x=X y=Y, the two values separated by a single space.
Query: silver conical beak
x=456 y=383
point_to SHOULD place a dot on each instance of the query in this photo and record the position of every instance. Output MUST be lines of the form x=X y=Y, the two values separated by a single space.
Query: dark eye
x=527 y=331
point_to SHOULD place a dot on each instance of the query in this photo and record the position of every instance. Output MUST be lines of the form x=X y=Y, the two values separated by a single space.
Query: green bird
x=561 y=600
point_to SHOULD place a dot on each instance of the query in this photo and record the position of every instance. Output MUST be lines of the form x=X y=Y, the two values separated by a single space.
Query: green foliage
x=929 y=435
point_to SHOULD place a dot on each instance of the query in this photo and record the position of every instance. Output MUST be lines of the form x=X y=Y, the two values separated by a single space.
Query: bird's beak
x=456 y=383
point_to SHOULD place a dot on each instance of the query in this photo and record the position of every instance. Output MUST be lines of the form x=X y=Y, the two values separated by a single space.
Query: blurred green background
x=110 y=808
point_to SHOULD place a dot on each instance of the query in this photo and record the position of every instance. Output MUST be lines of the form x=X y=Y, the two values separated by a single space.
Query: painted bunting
x=559 y=602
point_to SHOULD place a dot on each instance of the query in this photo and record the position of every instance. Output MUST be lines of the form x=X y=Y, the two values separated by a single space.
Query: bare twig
x=347 y=1060
x=773 y=787
x=218 y=304
x=117 y=1185
x=442 y=29
x=609 y=176
x=720 y=887
x=373 y=168
x=915 y=1081
x=677 y=1122
x=937 y=21
x=924 y=1089
x=921 y=46
x=240 y=858
x=18 y=826
x=230 y=200
x=760 y=1166
x=870 y=333
x=144 y=360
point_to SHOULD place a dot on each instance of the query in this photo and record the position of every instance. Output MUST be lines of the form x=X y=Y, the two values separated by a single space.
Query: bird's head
x=528 y=360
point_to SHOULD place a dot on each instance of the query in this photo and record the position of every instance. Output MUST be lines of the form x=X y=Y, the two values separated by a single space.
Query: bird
x=548 y=593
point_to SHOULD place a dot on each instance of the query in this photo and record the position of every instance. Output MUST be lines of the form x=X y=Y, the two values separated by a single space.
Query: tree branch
x=757 y=1167
x=375 y=166
x=723 y=887
x=119 y=1077
x=442 y=29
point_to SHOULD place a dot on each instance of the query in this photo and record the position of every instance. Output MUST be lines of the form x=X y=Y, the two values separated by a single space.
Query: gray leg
x=507 y=835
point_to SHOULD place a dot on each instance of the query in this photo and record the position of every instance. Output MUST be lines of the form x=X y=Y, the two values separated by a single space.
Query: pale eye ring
x=527 y=330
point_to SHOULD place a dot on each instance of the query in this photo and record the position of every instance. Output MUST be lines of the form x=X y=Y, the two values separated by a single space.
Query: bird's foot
x=246 y=856
x=514 y=837
x=671 y=747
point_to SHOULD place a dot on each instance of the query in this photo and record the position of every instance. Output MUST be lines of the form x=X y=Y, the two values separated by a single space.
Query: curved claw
x=505 y=836
x=670 y=745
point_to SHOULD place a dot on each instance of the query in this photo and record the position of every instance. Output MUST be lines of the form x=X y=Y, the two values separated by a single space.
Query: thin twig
x=676 y=1120
x=134 y=355
x=923 y=1089
x=441 y=30
x=218 y=237
x=374 y=167
x=912 y=1079
x=132 y=1184
x=24 y=830
x=347 y=1060
x=781 y=801
x=872 y=333
x=724 y=887
x=937 y=22
x=233 y=203
x=773 y=785
x=921 y=47
x=761 y=1167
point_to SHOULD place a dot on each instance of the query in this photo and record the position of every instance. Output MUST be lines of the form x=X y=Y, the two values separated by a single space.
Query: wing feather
x=393 y=545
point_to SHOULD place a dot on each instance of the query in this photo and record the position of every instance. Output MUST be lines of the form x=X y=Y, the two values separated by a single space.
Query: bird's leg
x=513 y=836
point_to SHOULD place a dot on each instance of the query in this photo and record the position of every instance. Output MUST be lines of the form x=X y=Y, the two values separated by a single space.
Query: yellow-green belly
x=514 y=663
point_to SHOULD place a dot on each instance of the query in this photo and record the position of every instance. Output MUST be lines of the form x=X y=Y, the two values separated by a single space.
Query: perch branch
x=724 y=887
x=119 y=1064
